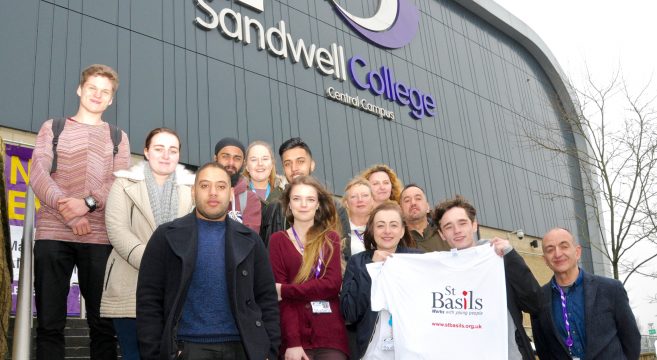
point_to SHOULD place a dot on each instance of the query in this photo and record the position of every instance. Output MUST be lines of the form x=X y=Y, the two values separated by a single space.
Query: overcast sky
x=604 y=36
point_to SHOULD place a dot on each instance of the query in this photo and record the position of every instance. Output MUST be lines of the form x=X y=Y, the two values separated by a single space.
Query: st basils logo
x=451 y=299
x=394 y=24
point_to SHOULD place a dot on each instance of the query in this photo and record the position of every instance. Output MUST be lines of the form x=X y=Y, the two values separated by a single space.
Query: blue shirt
x=575 y=310
x=206 y=315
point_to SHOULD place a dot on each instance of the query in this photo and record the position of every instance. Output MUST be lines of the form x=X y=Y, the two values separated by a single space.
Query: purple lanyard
x=318 y=269
x=564 y=313
x=359 y=235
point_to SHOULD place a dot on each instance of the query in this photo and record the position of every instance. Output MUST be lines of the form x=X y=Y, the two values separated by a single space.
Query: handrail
x=23 y=322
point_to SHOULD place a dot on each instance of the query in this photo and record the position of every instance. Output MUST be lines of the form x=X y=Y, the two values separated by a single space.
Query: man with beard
x=297 y=161
x=244 y=205
x=415 y=209
x=205 y=284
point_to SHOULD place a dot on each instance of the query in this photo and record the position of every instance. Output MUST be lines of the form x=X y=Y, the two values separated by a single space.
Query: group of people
x=238 y=262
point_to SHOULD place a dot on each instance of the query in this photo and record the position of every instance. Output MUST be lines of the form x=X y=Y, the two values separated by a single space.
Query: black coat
x=166 y=272
x=522 y=294
x=355 y=297
x=611 y=331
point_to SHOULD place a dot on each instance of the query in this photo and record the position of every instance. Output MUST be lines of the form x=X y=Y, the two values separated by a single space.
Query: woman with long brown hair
x=306 y=260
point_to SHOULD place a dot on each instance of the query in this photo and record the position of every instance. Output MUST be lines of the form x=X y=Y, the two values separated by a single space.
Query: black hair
x=292 y=143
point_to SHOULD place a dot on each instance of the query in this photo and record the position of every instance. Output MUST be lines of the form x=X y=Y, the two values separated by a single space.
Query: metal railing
x=23 y=323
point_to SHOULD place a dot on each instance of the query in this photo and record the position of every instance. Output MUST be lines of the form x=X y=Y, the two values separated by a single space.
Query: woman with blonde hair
x=307 y=267
x=358 y=200
x=260 y=172
x=385 y=183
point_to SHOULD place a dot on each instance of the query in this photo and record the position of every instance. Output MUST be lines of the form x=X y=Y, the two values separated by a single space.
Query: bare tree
x=620 y=154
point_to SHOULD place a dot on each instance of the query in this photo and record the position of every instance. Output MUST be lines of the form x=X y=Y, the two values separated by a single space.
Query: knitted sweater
x=85 y=163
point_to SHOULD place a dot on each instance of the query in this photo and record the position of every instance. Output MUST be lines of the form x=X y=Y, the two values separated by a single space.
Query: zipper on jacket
x=109 y=272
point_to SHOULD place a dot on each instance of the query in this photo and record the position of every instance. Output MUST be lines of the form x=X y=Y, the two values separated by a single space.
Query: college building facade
x=449 y=93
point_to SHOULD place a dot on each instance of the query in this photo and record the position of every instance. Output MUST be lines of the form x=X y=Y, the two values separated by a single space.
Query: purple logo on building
x=393 y=26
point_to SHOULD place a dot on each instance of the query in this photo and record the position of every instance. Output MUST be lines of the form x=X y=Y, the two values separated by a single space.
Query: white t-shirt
x=445 y=305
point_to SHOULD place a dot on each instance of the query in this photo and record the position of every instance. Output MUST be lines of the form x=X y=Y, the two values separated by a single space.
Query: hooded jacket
x=130 y=223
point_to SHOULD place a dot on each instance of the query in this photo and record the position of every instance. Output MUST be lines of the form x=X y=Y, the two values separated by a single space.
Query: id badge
x=388 y=344
x=321 y=307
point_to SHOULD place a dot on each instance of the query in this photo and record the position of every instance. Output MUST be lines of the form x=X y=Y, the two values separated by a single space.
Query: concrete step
x=76 y=335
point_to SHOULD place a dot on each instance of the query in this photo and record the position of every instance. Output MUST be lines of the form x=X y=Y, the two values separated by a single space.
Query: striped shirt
x=85 y=166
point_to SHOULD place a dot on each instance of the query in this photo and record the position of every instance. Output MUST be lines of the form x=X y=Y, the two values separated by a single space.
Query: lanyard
x=254 y=190
x=359 y=235
x=564 y=313
x=318 y=269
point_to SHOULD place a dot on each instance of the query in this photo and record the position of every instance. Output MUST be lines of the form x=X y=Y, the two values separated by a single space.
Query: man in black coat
x=205 y=283
x=457 y=224
x=583 y=315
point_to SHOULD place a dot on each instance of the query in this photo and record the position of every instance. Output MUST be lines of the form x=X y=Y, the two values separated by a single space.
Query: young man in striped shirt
x=71 y=221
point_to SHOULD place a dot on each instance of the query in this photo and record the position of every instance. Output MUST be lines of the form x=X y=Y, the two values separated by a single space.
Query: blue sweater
x=206 y=315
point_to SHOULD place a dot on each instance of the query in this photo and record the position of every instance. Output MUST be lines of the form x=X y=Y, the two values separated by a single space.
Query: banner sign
x=18 y=160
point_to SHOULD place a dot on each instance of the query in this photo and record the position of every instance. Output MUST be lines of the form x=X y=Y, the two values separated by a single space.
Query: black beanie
x=228 y=141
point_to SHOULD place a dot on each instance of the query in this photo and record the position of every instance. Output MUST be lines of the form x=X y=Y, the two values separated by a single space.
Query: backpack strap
x=115 y=133
x=57 y=128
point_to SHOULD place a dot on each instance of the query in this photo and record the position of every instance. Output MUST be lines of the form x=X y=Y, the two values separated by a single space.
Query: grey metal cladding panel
x=18 y=63
x=435 y=184
x=340 y=146
x=203 y=106
x=473 y=124
x=452 y=129
x=189 y=12
x=59 y=52
x=300 y=5
x=168 y=22
x=107 y=11
x=254 y=59
x=444 y=51
x=41 y=85
x=304 y=78
x=462 y=61
x=192 y=84
x=259 y=108
x=169 y=86
x=147 y=17
x=485 y=202
x=240 y=90
x=479 y=73
x=179 y=21
x=223 y=103
x=122 y=96
x=72 y=66
x=461 y=171
x=415 y=157
x=146 y=78
x=309 y=128
x=180 y=99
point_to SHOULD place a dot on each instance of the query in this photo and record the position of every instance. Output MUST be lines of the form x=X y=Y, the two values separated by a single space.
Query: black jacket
x=611 y=331
x=355 y=297
x=522 y=294
x=165 y=274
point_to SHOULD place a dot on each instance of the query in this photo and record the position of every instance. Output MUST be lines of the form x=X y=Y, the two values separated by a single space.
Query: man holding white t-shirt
x=457 y=224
